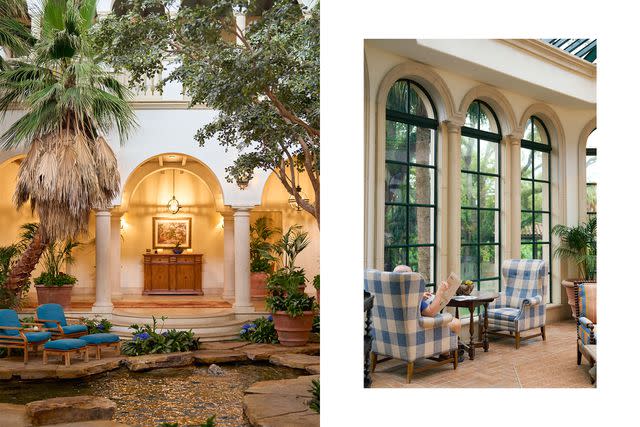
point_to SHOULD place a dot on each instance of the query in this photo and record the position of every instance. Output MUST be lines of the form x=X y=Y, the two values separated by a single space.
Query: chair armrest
x=536 y=300
x=30 y=324
x=12 y=338
x=58 y=328
x=13 y=328
x=586 y=322
x=440 y=319
x=76 y=320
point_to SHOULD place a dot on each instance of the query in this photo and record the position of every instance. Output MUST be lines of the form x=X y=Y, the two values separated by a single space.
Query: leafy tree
x=15 y=36
x=263 y=81
x=69 y=102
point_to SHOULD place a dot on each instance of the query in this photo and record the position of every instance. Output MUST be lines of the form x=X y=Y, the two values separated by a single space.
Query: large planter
x=569 y=285
x=293 y=331
x=54 y=295
x=259 y=285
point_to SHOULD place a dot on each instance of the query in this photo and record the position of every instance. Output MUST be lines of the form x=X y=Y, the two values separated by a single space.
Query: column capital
x=241 y=208
x=103 y=212
x=512 y=139
x=453 y=126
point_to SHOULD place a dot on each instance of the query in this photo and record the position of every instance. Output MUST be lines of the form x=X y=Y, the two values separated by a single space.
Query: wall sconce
x=292 y=200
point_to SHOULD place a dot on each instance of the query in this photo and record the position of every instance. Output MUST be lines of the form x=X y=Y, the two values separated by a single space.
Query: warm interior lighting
x=292 y=200
x=174 y=205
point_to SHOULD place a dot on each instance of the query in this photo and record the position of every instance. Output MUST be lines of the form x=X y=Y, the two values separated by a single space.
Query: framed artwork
x=169 y=231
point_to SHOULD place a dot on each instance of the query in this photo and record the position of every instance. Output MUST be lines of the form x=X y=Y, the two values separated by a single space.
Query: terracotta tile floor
x=551 y=363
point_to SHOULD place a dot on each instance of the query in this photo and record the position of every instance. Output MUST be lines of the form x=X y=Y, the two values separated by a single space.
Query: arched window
x=410 y=180
x=480 y=197
x=592 y=174
x=535 y=193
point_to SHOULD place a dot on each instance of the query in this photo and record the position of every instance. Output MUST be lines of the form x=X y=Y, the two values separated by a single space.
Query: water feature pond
x=187 y=395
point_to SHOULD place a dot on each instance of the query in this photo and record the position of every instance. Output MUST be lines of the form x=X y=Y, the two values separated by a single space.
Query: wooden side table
x=481 y=299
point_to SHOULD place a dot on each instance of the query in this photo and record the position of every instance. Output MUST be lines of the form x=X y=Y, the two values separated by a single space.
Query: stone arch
x=147 y=168
x=497 y=101
x=587 y=130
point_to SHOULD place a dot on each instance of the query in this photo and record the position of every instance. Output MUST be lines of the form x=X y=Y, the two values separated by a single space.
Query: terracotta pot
x=259 y=285
x=293 y=331
x=568 y=285
x=54 y=295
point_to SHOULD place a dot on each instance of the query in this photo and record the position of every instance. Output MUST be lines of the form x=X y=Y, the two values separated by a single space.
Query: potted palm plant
x=53 y=285
x=261 y=256
x=293 y=310
x=578 y=245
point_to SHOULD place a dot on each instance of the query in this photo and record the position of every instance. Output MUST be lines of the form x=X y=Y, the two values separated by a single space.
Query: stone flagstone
x=293 y=360
x=70 y=409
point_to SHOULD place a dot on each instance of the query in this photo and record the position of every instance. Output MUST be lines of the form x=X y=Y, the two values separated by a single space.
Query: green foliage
x=293 y=304
x=266 y=89
x=290 y=245
x=316 y=324
x=147 y=339
x=60 y=279
x=316 y=282
x=314 y=403
x=261 y=330
x=579 y=244
x=14 y=32
x=8 y=256
x=260 y=249
x=97 y=325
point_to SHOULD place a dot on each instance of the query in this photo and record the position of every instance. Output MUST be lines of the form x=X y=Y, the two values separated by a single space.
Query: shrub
x=314 y=403
x=260 y=330
x=97 y=325
x=50 y=279
x=316 y=324
x=148 y=340
x=293 y=304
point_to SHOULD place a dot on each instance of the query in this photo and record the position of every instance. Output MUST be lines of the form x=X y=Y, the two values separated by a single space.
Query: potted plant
x=293 y=310
x=316 y=285
x=578 y=244
x=261 y=256
x=52 y=285
x=177 y=249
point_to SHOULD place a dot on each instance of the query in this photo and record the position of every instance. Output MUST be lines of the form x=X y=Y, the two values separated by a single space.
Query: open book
x=454 y=283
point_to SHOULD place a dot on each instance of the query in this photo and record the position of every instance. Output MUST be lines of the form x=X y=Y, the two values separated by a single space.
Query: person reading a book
x=430 y=303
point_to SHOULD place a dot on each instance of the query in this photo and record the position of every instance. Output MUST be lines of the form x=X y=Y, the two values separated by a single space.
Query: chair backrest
x=587 y=301
x=522 y=278
x=9 y=318
x=51 y=312
x=395 y=311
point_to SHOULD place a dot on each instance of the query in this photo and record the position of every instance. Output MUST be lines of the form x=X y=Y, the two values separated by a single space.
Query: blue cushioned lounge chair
x=13 y=334
x=54 y=320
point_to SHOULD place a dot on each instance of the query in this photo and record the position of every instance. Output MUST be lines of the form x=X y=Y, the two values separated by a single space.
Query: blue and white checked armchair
x=399 y=331
x=521 y=305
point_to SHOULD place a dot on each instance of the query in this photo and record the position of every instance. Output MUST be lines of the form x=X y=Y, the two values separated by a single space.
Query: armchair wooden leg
x=579 y=355
x=26 y=354
x=374 y=360
x=517 y=340
x=409 y=372
x=67 y=359
x=543 y=332
x=455 y=360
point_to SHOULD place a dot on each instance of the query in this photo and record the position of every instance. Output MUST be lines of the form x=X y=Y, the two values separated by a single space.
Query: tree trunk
x=22 y=269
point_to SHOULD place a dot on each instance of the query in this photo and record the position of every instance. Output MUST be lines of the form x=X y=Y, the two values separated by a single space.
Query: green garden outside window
x=535 y=194
x=592 y=175
x=480 y=197
x=410 y=180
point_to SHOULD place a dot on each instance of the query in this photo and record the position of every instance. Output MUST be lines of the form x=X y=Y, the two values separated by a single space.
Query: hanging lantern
x=174 y=205
x=293 y=202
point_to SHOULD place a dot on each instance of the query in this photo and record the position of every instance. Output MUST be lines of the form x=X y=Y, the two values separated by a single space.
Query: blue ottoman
x=65 y=348
x=101 y=341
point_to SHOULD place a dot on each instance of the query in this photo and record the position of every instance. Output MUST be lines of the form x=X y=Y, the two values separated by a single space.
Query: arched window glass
x=410 y=180
x=480 y=197
x=592 y=174
x=535 y=194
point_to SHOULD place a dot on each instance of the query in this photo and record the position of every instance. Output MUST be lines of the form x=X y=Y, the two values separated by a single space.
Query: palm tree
x=579 y=244
x=69 y=102
x=15 y=36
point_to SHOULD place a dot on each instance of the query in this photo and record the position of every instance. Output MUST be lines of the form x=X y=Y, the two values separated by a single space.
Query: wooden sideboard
x=166 y=274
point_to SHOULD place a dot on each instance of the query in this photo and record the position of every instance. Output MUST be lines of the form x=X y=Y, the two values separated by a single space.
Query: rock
x=13 y=415
x=5 y=374
x=35 y=371
x=313 y=369
x=265 y=351
x=206 y=357
x=92 y=367
x=215 y=370
x=70 y=409
x=223 y=345
x=280 y=403
x=152 y=361
x=292 y=360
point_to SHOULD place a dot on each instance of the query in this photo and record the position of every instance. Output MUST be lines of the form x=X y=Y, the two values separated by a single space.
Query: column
x=453 y=202
x=241 y=22
x=514 y=205
x=116 y=252
x=228 y=292
x=241 y=264
x=103 y=264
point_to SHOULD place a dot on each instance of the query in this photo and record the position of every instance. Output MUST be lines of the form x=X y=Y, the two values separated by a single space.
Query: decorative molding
x=497 y=101
x=554 y=55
